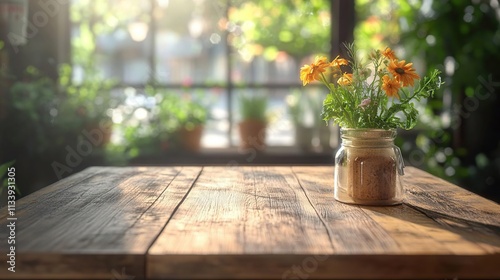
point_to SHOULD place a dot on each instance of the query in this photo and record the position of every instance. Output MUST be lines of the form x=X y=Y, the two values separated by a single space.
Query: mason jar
x=368 y=167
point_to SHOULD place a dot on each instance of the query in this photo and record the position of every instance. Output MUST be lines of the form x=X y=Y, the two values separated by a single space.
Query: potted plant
x=253 y=123
x=89 y=100
x=192 y=117
x=34 y=137
x=369 y=103
x=32 y=103
x=185 y=116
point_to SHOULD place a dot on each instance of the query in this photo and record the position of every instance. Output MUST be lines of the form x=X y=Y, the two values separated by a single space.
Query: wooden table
x=247 y=222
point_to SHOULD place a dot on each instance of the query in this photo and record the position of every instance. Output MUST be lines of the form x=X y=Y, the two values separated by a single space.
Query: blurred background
x=169 y=82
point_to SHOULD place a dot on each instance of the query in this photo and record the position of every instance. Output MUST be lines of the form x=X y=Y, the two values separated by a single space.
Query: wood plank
x=260 y=211
x=243 y=210
x=212 y=235
x=435 y=194
x=461 y=212
x=96 y=226
x=415 y=233
x=54 y=190
x=353 y=230
x=341 y=266
x=248 y=222
x=238 y=211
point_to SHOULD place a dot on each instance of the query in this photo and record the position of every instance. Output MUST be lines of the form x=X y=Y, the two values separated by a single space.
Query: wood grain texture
x=97 y=224
x=258 y=222
x=277 y=222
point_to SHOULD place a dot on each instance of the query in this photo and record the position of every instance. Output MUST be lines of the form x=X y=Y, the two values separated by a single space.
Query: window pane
x=282 y=69
x=269 y=39
x=185 y=45
x=113 y=38
x=217 y=126
x=190 y=46
x=141 y=115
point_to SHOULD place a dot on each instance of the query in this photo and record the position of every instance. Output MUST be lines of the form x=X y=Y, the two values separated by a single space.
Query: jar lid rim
x=366 y=129
x=368 y=133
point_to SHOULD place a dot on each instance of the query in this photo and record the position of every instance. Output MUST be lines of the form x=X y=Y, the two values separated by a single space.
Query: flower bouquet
x=369 y=103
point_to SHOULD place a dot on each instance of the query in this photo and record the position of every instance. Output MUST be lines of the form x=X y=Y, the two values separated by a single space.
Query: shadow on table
x=473 y=229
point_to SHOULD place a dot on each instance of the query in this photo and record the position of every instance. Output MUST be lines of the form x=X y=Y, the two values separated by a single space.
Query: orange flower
x=345 y=80
x=403 y=72
x=339 y=61
x=310 y=73
x=388 y=53
x=391 y=86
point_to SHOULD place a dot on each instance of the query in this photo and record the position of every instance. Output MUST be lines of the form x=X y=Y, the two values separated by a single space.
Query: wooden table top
x=247 y=222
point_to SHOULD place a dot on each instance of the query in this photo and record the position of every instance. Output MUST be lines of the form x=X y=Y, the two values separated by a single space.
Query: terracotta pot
x=252 y=134
x=191 y=138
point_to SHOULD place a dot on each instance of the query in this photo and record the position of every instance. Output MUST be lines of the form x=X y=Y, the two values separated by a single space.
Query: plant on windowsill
x=183 y=116
x=32 y=103
x=192 y=117
x=369 y=104
x=89 y=100
x=253 y=123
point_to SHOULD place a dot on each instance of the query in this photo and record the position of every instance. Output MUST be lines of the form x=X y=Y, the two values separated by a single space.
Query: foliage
x=32 y=104
x=253 y=107
x=181 y=111
x=88 y=93
x=381 y=22
x=359 y=100
x=462 y=39
x=468 y=50
x=3 y=171
x=140 y=139
x=164 y=113
x=291 y=26
x=91 y=98
x=33 y=96
x=96 y=18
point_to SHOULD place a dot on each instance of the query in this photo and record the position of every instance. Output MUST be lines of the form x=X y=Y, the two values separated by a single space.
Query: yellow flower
x=345 y=80
x=388 y=53
x=403 y=72
x=310 y=73
x=339 y=61
x=391 y=86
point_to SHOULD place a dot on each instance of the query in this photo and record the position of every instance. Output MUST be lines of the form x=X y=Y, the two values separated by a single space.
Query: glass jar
x=368 y=167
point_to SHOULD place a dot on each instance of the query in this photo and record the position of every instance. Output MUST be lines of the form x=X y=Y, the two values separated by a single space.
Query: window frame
x=342 y=27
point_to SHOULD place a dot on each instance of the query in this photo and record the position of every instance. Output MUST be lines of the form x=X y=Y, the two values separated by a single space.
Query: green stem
x=420 y=89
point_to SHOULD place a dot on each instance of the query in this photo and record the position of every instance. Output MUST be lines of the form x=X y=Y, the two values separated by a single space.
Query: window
x=218 y=50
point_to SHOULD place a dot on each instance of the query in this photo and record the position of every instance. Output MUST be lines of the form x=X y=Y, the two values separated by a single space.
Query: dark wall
x=47 y=46
x=47 y=39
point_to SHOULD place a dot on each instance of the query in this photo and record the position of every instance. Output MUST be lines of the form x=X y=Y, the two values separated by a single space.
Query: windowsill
x=236 y=156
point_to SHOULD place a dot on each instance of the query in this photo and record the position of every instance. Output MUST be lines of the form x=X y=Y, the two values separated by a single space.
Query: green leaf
x=3 y=170
x=253 y=107
x=4 y=167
